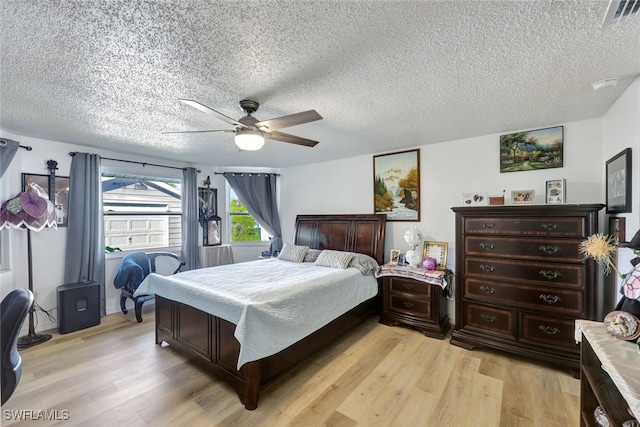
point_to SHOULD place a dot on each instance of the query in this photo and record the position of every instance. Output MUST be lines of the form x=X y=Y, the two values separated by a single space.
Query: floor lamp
x=32 y=211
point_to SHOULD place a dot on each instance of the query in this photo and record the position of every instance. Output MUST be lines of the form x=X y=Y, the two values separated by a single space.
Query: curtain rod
x=26 y=147
x=248 y=173
x=138 y=163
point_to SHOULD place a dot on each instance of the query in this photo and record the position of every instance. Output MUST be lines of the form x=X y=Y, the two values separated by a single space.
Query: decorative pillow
x=312 y=255
x=367 y=265
x=335 y=259
x=293 y=253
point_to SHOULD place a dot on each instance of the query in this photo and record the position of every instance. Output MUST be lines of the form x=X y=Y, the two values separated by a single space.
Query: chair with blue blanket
x=134 y=267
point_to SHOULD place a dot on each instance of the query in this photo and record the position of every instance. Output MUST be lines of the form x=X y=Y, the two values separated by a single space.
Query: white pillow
x=293 y=253
x=335 y=259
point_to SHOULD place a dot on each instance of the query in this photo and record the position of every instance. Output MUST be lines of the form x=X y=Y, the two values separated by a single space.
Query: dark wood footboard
x=209 y=341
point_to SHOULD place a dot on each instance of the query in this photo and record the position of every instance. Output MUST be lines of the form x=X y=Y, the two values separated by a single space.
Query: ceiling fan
x=251 y=133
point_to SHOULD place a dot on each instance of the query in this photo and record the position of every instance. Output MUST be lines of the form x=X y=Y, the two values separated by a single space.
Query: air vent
x=620 y=10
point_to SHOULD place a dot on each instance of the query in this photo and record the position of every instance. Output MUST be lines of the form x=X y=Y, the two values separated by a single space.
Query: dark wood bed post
x=210 y=342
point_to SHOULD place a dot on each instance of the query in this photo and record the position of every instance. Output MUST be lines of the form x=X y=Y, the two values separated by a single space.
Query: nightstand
x=415 y=298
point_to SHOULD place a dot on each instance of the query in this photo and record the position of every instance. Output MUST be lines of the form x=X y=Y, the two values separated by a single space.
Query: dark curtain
x=190 y=218
x=8 y=148
x=85 y=231
x=257 y=192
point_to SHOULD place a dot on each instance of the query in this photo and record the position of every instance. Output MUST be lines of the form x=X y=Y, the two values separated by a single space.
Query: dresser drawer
x=560 y=227
x=565 y=250
x=549 y=330
x=550 y=299
x=409 y=286
x=496 y=320
x=405 y=304
x=536 y=273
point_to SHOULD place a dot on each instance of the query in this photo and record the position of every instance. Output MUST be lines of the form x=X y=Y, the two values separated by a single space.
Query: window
x=141 y=212
x=244 y=228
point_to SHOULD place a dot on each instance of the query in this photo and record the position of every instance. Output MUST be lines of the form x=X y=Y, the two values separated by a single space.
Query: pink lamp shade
x=28 y=209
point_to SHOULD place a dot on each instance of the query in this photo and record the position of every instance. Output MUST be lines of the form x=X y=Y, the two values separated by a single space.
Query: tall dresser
x=521 y=280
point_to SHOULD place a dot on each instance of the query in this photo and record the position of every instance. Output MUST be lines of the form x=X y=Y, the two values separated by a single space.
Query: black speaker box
x=78 y=306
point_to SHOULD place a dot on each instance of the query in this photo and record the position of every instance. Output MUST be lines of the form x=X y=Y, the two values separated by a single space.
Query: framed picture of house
x=396 y=185
x=61 y=197
x=533 y=149
x=618 y=184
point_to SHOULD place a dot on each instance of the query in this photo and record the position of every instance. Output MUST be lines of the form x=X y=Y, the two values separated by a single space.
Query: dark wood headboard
x=354 y=233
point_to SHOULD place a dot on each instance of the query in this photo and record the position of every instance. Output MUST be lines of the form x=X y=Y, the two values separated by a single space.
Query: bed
x=204 y=336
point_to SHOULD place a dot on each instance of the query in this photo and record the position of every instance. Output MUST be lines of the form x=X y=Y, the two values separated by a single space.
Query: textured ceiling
x=384 y=74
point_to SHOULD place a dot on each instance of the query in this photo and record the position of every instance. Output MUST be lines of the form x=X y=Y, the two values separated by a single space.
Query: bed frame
x=209 y=341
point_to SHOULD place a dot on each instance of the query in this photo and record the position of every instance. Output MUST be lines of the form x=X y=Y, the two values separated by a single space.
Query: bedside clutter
x=414 y=297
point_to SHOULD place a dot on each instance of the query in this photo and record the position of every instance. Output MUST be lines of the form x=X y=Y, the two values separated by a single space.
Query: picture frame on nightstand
x=437 y=250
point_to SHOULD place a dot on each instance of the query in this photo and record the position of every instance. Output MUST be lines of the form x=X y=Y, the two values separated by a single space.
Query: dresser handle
x=408 y=286
x=550 y=299
x=549 y=227
x=488 y=290
x=408 y=304
x=549 y=274
x=549 y=250
x=488 y=225
x=487 y=246
x=549 y=330
x=486 y=268
x=488 y=318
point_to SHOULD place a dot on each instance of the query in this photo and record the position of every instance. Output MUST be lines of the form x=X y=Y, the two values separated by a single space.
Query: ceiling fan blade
x=208 y=110
x=200 y=131
x=288 y=121
x=285 y=137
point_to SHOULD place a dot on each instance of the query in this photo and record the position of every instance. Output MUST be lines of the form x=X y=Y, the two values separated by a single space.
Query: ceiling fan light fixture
x=249 y=140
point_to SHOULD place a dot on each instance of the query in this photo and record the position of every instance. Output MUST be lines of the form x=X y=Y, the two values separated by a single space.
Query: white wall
x=621 y=129
x=446 y=171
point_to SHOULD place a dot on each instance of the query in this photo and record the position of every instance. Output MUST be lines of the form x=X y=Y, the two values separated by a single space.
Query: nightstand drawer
x=551 y=299
x=560 y=227
x=397 y=284
x=408 y=305
x=566 y=250
x=536 y=273
x=497 y=320
x=549 y=330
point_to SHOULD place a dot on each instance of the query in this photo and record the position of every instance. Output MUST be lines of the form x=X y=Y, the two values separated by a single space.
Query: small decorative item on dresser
x=622 y=325
x=523 y=197
x=556 y=192
x=413 y=237
x=429 y=263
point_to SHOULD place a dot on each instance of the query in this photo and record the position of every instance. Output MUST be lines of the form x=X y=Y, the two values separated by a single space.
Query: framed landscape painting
x=396 y=185
x=531 y=150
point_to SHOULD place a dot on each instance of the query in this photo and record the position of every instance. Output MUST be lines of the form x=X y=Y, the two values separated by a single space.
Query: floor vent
x=620 y=10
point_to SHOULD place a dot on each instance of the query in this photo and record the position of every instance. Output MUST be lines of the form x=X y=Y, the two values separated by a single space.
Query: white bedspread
x=274 y=303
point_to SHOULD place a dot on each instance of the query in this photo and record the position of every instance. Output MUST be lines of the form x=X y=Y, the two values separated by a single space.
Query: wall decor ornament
x=618 y=183
x=396 y=185
x=533 y=149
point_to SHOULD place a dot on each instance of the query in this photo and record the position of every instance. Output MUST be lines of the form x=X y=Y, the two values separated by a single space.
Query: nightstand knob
x=408 y=304
x=549 y=227
x=408 y=286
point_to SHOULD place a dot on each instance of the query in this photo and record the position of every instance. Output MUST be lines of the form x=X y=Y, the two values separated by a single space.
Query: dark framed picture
x=396 y=185
x=533 y=149
x=207 y=202
x=618 y=183
x=617 y=229
x=61 y=197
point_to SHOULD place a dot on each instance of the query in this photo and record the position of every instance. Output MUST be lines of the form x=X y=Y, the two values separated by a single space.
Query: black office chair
x=134 y=267
x=13 y=311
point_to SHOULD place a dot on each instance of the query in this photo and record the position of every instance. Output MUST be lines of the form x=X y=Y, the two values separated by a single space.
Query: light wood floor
x=115 y=375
